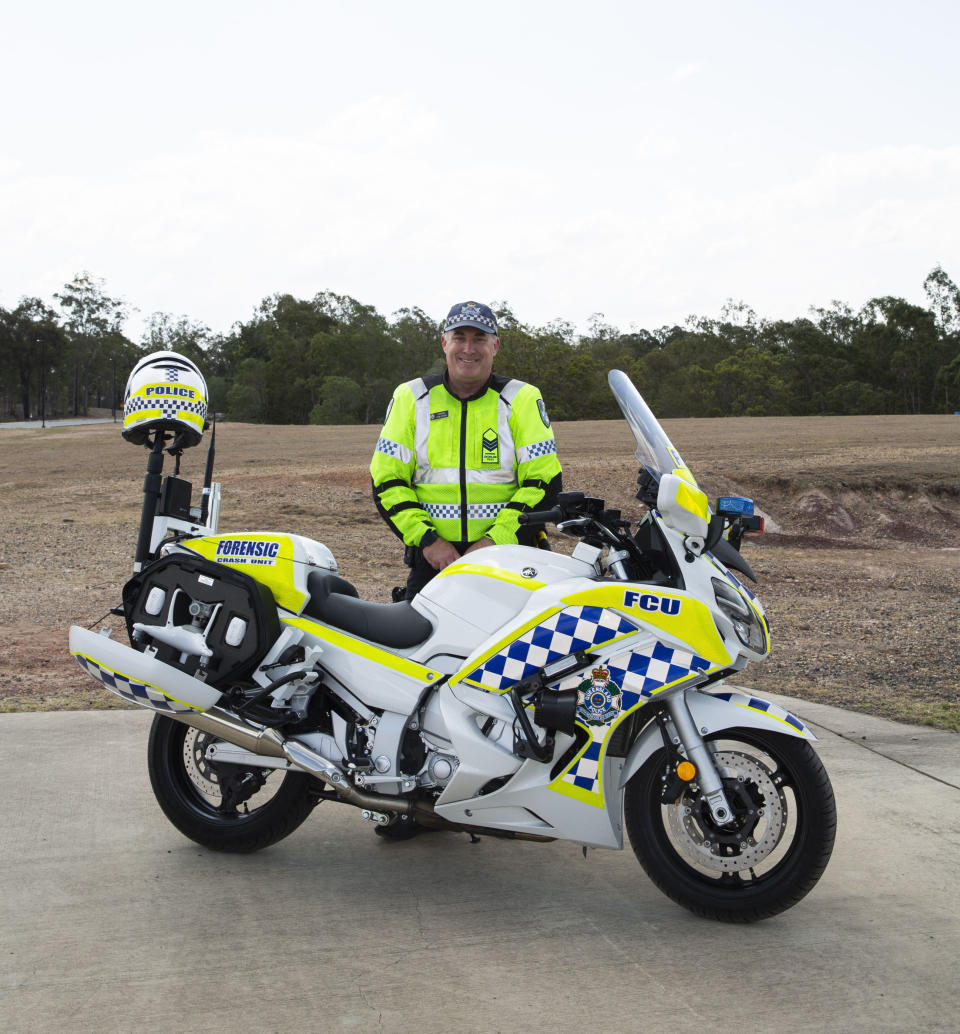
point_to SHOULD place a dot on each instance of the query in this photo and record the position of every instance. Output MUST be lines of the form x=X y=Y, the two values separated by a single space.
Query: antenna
x=208 y=473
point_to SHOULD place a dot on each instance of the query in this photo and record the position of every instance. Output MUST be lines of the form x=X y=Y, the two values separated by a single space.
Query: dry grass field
x=859 y=569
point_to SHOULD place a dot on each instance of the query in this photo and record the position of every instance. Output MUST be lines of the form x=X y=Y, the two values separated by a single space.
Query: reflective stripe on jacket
x=463 y=468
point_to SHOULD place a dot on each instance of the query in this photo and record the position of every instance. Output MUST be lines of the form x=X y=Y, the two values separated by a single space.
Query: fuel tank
x=489 y=587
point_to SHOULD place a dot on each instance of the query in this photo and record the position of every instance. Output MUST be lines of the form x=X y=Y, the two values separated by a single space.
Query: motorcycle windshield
x=654 y=449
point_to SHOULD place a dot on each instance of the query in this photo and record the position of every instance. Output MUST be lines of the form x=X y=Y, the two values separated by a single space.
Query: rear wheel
x=222 y=806
x=763 y=862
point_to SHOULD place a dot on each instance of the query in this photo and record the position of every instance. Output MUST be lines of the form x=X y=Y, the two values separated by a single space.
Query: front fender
x=712 y=713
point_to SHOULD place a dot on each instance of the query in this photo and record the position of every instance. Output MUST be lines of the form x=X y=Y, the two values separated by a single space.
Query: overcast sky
x=647 y=161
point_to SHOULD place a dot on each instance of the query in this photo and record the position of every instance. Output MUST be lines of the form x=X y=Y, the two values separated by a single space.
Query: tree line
x=334 y=360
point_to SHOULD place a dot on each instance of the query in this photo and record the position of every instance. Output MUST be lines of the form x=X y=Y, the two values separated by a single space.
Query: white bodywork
x=474 y=607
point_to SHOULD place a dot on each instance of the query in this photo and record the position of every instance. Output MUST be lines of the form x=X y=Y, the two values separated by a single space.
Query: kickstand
x=474 y=839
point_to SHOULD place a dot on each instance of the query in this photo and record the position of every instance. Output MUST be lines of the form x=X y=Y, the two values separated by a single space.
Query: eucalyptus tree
x=32 y=345
x=93 y=322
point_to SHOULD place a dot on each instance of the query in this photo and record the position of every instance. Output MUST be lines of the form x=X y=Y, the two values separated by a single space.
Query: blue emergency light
x=735 y=506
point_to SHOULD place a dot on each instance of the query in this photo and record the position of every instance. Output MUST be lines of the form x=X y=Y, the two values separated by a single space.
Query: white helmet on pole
x=165 y=392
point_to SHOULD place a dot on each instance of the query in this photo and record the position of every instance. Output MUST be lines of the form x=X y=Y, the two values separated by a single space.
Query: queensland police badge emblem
x=598 y=698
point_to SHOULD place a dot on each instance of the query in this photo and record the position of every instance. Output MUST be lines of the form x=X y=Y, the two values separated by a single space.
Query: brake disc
x=199 y=770
x=759 y=817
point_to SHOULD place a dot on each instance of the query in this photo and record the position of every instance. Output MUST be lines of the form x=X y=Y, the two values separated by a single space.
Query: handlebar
x=583 y=516
x=570 y=505
x=553 y=516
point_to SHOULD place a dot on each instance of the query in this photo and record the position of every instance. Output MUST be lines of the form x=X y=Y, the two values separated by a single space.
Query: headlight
x=743 y=617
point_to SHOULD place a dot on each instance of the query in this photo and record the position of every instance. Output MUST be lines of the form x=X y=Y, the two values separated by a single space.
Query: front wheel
x=224 y=807
x=767 y=858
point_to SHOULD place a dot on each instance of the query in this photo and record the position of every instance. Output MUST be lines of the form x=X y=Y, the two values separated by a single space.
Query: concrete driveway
x=112 y=921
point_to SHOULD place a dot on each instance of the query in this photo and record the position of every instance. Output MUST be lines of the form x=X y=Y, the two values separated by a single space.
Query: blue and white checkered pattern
x=585 y=774
x=173 y=374
x=442 y=511
x=481 y=511
x=389 y=448
x=578 y=628
x=452 y=511
x=136 y=692
x=536 y=450
x=471 y=314
x=639 y=674
x=763 y=705
x=170 y=409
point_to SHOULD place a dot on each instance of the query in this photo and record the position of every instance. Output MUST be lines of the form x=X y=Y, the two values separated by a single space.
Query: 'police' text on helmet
x=165 y=392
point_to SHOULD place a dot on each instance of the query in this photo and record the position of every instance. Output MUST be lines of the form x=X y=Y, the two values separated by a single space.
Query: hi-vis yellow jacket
x=464 y=469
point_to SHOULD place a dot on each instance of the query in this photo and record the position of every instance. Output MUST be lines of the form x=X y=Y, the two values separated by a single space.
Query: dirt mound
x=871 y=516
x=850 y=516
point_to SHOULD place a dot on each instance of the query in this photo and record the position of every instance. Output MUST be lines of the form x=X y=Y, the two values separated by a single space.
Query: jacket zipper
x=463 y=471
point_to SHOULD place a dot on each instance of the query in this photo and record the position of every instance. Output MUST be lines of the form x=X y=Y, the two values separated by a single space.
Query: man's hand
x=480 y=544
x=440 y=553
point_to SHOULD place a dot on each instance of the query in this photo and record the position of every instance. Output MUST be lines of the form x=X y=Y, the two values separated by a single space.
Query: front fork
x=686 y=734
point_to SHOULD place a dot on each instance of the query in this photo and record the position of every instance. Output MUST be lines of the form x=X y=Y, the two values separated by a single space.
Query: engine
x=438 y=760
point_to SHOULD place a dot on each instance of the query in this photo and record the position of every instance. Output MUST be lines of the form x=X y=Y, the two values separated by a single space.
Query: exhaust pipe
x=230 y=727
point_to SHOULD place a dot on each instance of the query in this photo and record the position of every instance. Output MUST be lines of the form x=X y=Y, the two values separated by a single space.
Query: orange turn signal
x=686 y=770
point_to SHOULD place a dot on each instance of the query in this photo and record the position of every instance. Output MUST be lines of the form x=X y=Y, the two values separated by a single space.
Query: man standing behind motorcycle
x=462 y=455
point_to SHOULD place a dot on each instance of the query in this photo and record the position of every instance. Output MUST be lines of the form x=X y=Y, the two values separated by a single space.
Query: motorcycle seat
x=335 y=601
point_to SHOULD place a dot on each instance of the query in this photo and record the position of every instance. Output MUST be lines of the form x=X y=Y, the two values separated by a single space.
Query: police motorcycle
x=523 y=693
